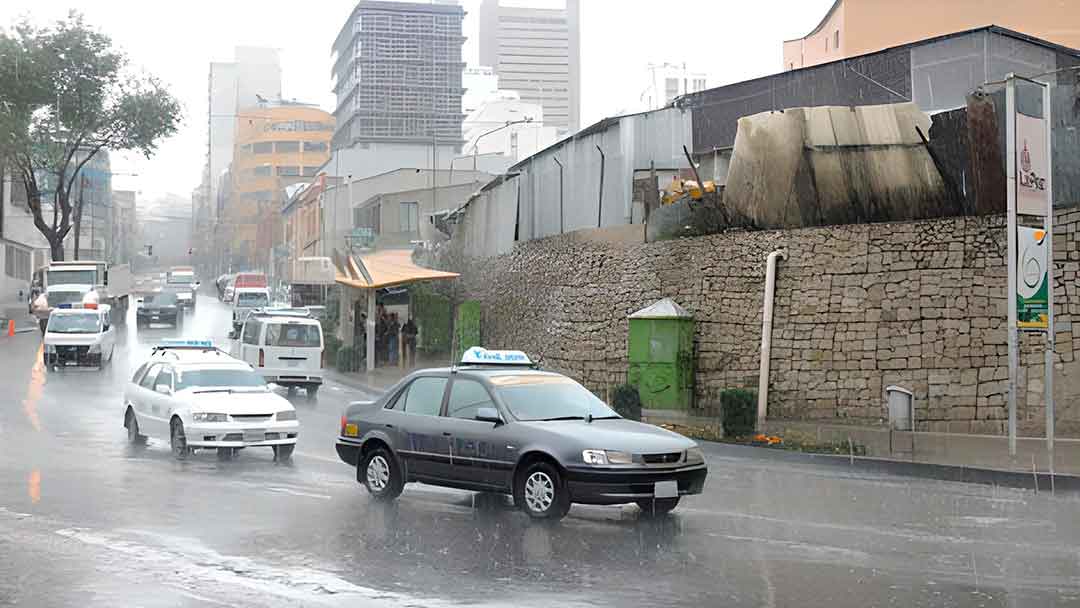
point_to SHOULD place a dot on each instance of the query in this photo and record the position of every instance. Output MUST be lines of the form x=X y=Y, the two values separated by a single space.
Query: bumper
x=612 y=487
x=166 y=319
x=190 y=303
x=348 y=452
x=287 y=376
x=80 y=359
x=239 y=435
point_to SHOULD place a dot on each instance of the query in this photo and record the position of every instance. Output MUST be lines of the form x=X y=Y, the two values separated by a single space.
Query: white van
x=245 y=300
x=285 y=346
x=79 y=335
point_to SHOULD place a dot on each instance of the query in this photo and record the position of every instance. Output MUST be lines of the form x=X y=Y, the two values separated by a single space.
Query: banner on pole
x=1032 y=286
x=1032 y=166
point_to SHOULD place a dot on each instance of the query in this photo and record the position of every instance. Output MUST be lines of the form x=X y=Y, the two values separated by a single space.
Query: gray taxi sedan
x=497 y=424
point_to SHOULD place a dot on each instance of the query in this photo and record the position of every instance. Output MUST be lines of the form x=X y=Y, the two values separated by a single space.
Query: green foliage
x=332 y=346
x=466 y=327
x=68 y=94
x=432 y=313
x=627 y=401
x=348 y=359
x=738 y=411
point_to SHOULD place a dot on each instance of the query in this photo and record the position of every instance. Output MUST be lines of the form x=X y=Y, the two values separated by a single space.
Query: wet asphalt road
x=87 y=521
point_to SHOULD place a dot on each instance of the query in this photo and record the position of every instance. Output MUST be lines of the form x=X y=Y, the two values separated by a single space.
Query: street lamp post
x=509 y=123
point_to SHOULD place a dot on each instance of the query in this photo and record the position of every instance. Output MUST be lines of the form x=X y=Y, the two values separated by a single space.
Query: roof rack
x=284 y=311
x=172 y=346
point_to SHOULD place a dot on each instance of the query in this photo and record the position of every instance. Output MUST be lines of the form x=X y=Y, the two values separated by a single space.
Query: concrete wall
x=857 y=308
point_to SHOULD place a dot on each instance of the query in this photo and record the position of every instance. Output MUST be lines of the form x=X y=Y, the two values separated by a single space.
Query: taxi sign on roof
x=481 y=356
x=178 y=343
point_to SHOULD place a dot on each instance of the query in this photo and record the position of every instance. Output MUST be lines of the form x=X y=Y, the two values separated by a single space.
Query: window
x=246 y=148
x=671 y=88
x=261 y=171
x=310 y=171
x=139 y=373
x=836 y=39
x=251 y=332
x=287 y=146
x=547 y=396
x=218 y=377
x=16 y=263
x=288 y=171
x=315 y=146
x=264 y=147
x=165 y=376
x=699 y=84
x=293 y=335
x=425 y=396
x=264 y=196
x=466 y=397
x=151 y=375
x=408 y=216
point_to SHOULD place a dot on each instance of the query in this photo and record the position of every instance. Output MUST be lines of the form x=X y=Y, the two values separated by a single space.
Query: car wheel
x=312 y=391
x=178 y=441
x=226 y=454
x=132 y=425
x=657 y=506
x=379 y=473
x=283 y=453
x=540 y=492
x=290 y=390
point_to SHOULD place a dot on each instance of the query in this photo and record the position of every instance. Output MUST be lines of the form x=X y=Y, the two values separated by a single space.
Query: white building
x=481 y=84
x=664 y=82
x=536 y=52
x=507 y=126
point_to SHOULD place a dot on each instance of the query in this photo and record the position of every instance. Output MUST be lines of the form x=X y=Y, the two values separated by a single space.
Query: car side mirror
x=163 y=389
x=488 y=414
x=233 y=335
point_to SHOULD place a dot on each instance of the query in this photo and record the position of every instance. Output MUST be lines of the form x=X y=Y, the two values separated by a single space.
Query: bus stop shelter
x=376 y=270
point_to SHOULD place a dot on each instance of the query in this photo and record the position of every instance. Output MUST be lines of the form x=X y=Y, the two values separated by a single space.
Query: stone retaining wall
x=858 y=308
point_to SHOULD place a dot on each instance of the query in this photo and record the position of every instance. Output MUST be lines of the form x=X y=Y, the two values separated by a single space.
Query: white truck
x=111 y=283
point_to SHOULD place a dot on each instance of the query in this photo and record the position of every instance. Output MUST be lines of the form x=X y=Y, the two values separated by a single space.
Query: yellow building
x=857 y=27
x=277 y=145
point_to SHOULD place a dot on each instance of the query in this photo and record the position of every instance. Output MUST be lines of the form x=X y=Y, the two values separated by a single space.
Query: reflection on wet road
x=87 y=520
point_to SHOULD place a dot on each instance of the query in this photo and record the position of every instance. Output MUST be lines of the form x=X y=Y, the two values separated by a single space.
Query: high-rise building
x=666 y=81
x=536 y=52
x=397 y=73
x=254 y=75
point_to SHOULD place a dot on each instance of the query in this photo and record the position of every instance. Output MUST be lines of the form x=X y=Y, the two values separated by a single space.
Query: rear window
x=252 y=299
x=179 y=278
x=294 y=335
x=164 y=298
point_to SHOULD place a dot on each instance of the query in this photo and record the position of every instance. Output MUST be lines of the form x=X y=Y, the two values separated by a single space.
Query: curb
x=1040 y=481
x=350 y=382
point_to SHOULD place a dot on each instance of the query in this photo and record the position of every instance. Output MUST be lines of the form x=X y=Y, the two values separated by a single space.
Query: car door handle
x=389 y=426
x=446 y=434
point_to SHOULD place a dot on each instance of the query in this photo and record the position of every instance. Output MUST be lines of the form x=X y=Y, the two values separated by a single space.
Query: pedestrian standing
x=408 y=332
x=392 y=332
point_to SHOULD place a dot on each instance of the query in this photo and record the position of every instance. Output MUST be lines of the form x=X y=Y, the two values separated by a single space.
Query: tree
x=68 y=93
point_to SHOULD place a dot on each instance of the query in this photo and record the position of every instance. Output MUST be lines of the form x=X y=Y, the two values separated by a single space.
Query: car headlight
x=603 y=457
x=695 y=456
x=286 y=415
x=208 y=417
x=94 y=349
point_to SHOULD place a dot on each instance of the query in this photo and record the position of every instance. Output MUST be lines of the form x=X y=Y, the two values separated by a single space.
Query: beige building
x=856 y=27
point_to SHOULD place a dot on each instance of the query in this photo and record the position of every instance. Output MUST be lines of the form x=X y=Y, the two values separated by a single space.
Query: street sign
x=1032 y=164
x=1032 y=293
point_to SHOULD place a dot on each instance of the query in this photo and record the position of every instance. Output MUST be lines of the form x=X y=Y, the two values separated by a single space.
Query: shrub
x=331 y=345
x=627 y=401
x=347 y=359
x=738 y=411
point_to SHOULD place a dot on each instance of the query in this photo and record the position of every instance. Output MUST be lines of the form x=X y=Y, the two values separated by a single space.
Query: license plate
x=666 y=489
x=71 y=363
x=254 y=436
x=155 y=318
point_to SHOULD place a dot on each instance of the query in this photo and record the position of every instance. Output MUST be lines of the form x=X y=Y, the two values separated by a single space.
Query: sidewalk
x=383 y=377
x=24 y=321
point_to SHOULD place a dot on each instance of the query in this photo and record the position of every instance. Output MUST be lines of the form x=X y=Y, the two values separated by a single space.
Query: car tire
x=226 y=454
x=290 y=390
x=380 y=474
x=131 y=423
x=283 y=453
x=178 y=441
x=541 y=493
x=312 y=391
x=657 y=507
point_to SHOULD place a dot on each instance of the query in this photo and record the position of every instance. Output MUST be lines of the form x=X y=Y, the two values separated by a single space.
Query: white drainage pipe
x=766 y=336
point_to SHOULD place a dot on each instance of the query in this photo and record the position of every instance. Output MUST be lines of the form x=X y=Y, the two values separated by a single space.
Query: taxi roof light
x=172 y=344
x=478 y=355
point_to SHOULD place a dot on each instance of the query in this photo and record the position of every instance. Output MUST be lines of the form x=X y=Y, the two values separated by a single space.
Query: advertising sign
x=1032 y=286
x=1032 y=167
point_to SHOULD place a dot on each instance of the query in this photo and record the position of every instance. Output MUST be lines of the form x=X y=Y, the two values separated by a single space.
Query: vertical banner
x=1032 y=166
x=1032 y=285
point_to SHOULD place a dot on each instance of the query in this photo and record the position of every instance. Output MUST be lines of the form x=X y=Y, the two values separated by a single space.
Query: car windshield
x=181 y=279
x=252 y=299
x=295 y=335
x=549 y=397
x=74 y=323
x=56 y=298
x=164 y=298
x=219 y=378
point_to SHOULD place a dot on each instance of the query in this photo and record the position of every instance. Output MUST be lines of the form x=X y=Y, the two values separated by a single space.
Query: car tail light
x=262 y=358
x=344 y=421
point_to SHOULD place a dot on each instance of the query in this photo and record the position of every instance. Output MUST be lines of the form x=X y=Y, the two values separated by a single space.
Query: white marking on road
x=298 y=493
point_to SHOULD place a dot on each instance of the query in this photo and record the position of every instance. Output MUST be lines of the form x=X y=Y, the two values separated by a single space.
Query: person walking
x=408 y=332
x=392 y=332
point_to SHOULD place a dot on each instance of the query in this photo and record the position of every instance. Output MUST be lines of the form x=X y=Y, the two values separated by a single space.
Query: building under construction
x=397 y=72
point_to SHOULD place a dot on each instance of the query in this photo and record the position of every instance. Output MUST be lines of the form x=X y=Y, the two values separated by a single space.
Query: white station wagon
x=200 y=398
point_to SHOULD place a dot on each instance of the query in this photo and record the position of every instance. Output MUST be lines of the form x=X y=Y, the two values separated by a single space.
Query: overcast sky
x=730 y=40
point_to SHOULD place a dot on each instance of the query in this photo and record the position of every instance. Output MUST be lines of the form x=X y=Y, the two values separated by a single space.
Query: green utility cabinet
x=661 y=348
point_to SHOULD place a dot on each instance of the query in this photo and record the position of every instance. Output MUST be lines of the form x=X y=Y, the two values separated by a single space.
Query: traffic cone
x=11 y=328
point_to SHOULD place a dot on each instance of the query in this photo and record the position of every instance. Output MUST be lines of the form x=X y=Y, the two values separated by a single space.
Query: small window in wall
x=288 y=171
x=264 y=147
x=408 y=217
x=287 y=146
x=836 y=39
x=262 y=171
x=315 y=146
